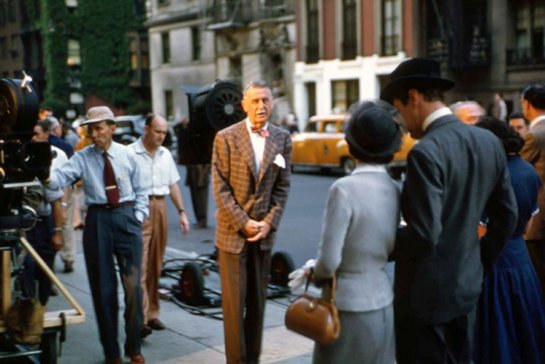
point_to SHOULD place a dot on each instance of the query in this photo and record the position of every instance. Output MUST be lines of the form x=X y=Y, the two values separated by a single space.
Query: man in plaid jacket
x=251 y=181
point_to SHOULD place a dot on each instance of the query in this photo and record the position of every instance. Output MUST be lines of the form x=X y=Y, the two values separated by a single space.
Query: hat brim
x=361 y=153
x=97 y=120
x=407 y=82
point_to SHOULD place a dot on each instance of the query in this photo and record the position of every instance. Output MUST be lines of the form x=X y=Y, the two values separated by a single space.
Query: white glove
x=298 y=276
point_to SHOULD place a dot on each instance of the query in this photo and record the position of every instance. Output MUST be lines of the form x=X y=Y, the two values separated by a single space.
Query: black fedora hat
x=415 y=72
x=372 y=133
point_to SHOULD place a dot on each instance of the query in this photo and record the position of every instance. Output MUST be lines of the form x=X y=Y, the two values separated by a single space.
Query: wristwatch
x=181 y=210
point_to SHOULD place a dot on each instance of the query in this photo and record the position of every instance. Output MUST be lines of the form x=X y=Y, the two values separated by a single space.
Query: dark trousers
x=108 y=233
x=40 y=239
x=449 y=342
x=198 y=176
x=244 y=280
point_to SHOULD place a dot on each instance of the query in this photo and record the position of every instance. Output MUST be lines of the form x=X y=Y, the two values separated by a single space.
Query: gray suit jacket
x=455 y=174
x=243 y=193
x=358 y=234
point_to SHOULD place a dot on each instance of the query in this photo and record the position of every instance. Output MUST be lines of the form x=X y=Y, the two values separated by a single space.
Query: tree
x=104 y=46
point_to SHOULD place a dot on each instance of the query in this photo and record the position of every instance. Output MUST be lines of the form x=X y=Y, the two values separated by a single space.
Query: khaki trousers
x=154 y=237
x=68 y=250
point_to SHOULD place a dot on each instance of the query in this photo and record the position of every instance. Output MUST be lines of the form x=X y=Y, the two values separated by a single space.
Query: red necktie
x=109 y=182
x=263 y=132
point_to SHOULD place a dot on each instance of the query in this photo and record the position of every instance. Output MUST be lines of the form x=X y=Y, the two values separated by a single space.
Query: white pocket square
x=279 y=161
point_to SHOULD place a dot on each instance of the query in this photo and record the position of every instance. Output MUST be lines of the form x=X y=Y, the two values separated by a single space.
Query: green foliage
x=54 y=40
x=105 y=54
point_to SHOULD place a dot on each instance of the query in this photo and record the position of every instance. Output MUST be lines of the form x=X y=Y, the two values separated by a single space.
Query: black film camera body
x=212 y=108
x=22 y=163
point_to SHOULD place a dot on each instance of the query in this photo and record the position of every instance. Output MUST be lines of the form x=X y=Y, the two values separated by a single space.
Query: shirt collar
x=536 y=120
x=249 y=126
x=434 y=116
x=364 y=167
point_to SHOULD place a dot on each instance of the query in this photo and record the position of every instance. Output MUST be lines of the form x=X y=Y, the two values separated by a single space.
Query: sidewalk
x=188 y=338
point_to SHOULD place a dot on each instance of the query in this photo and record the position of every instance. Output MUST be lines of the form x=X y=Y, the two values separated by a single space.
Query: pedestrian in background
x=160 y=179
x=454 y=173
x=499 y=107
x=357 y=239
x=468 y=111
x=533 y=108
x=46 y=236
x=197 y=172
x=68 y=250
x=117 y=206
x=251 y=179
x=511 y=311
x=518 y=123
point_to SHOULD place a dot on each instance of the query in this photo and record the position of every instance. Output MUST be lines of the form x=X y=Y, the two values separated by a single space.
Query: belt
x=108 y=206
x=156 y=197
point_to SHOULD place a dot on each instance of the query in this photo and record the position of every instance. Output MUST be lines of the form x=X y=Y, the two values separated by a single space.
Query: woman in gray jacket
x=359 y=229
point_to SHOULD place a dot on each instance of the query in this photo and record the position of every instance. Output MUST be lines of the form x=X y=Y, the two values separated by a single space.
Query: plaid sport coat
x=243 y=193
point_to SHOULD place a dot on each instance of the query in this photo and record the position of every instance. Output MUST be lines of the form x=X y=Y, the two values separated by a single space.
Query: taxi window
x=330 y=127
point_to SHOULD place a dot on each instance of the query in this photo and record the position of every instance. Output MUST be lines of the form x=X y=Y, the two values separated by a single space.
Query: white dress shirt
x=258 y=143
x=159 y=171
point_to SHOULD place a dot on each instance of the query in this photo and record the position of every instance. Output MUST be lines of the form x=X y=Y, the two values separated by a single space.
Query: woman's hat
x=415 y=72
x=372 y=133
x=97 y=114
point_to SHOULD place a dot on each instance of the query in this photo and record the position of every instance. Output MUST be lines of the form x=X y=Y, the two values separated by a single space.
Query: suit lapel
x=245 y=146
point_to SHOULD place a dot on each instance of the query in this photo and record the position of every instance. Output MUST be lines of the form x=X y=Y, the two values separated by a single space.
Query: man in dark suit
x=251 y=181
x=455 y=173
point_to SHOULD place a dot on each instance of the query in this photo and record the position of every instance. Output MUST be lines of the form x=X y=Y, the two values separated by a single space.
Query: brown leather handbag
x=315 y=317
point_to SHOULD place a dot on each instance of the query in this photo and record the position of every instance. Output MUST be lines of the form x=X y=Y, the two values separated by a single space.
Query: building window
x=3 y=13
x=169 y=104
x=313 y=32
x=529 y=34
x=165 y=42
x=74 y=58
x=235 y=70
x=311 y=97
x=349 y=29
x=12 y=10
x=3 y=48
x=344 y=93
x=14 y=46
x=196 y=43
x=391 y=27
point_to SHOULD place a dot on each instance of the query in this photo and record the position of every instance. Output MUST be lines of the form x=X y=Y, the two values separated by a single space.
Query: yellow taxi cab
x=322 y=144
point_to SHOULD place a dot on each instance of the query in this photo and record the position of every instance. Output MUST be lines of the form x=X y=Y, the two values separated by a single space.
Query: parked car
x=322 y=144
x=127 y=129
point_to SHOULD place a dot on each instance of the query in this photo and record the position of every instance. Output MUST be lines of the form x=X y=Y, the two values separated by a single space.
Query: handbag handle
x=332 y=282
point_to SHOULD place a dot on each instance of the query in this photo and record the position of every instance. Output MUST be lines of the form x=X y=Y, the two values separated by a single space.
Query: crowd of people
x=457 y=296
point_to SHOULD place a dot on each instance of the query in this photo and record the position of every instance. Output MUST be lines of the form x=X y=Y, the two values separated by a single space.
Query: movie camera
x=22 y=163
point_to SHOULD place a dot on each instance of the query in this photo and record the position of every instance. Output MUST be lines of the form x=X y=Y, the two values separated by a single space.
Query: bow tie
x=263 y=132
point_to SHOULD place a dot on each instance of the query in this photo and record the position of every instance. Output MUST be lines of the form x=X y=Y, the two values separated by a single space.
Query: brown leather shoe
x=114 y=361
x=145 y=332
x=156 y=324
x=137 y=359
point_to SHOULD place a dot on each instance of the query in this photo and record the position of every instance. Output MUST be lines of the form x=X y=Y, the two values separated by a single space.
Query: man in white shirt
x=160 y=180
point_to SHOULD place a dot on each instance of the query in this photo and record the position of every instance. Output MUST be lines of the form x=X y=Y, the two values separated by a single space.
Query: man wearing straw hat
x=117 y=204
